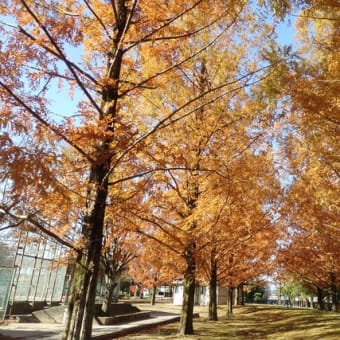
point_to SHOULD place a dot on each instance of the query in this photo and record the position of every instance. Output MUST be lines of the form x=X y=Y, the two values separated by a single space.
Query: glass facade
x=32 y=270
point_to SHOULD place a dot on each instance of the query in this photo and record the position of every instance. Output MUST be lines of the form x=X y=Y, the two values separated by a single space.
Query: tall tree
x=154 y=266
x=312 y=257
x=243 y=228
x=118 y=251
x=188 y=199
x=311 y=148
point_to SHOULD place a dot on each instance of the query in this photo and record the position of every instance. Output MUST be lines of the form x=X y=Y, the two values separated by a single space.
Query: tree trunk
x=320 y=298
x=186 y=321
x=81 y=311
x=279 y=295
x=239 y=295
x=110 y=285
x=154 y=291
x=334 y=292
x=213 y=289
x=235 y=296
x=75 y=300
x=229 y=302
x=81 y=308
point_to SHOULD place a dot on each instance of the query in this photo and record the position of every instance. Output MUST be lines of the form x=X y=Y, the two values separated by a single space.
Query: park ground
x=256 y=322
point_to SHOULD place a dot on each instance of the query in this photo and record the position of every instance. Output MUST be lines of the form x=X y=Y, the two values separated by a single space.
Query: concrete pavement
x=52 y=331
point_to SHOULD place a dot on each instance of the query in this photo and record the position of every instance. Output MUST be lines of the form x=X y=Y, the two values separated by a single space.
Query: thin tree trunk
x=279 y=295
x=75 y=301
x=240 y=298
x=235 y=296
x=109 y=288
x=186 y=321
x=320 y=298
x=153 y=298
x=81 y=310
x=93 y=232
x=92 y=275
x=334 y=292
x=213 y=289
x=229 y=302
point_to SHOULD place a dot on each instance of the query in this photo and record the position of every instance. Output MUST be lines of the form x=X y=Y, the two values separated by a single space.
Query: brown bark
x=213 y=289
x=229 y=302
x=320 y=298
x=186 y=321
x=79 y=323
x=81 y=309
x=153 y=298
x=109 y=288
x=334 y=291
x=239 y=301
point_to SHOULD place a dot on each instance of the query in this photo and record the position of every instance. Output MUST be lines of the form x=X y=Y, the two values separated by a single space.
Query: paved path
x=34 y=331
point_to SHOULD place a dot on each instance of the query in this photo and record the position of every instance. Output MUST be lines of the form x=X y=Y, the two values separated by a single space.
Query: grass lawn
x=250 y=322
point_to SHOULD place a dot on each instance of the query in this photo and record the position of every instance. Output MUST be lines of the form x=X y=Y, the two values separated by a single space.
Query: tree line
x=178 y=134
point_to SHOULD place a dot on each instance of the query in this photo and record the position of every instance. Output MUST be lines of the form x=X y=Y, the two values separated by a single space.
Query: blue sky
x=286 y=32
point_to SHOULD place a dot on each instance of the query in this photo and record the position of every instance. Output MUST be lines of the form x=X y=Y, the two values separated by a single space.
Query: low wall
x=26 y=307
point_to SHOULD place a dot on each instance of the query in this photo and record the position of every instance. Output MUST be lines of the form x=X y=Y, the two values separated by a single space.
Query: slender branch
x=45 y=86
x=161 y=124
x=51 y=51
x=150 y=38
x=168 y=22
x=63 y=57
x=57 y=9
x=142 y=174
x=183 y=61
x=39 y=226
x=97 y=17
x=10 y=226
x=334 y=121
x=45 y=123
x=314 y=17
x=162 y=228
x=114 y=7
x=176 y=188
x=164 y=244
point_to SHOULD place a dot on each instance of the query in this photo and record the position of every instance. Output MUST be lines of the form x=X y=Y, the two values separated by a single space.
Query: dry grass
x=250 y=322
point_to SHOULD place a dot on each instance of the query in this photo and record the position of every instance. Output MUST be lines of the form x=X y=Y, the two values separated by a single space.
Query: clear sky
x=286 y=31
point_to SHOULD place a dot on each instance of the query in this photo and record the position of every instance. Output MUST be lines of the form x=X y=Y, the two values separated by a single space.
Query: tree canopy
x=185 y=123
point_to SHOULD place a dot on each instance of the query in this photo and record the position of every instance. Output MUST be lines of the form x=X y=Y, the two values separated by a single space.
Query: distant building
x=201 y=294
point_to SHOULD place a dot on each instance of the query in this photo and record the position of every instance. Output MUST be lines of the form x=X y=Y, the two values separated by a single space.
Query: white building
x=201 y=294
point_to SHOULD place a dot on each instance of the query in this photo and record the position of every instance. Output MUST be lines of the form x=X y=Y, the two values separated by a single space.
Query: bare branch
x=45 y=123
x=63 y=57
x=51 y=51
x=33 y=221
x=164 y=244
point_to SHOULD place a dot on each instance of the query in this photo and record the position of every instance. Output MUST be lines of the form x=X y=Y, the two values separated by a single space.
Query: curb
x=133 y=329
x=137 y=328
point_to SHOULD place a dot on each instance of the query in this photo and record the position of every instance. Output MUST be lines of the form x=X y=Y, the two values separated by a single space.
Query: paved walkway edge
x=133 y=329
